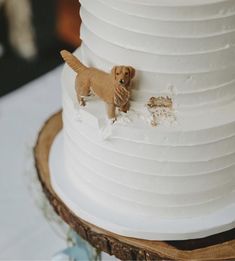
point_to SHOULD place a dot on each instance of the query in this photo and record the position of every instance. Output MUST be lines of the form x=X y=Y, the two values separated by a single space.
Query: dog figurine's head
x=123 y=75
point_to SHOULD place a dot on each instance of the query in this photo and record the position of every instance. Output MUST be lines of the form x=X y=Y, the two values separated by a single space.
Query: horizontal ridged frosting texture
x=181 y=48
x=184 y=51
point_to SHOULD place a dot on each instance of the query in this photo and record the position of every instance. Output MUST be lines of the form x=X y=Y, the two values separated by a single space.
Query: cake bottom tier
x=179 y=173
x=127 y=223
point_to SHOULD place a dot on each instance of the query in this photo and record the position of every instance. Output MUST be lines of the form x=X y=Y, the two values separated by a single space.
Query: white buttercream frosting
x=181 y=48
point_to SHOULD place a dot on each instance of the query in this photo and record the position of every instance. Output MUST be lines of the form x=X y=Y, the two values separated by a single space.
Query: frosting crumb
x=160 y=109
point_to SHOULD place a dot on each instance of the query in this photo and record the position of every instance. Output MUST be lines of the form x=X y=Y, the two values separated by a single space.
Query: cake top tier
x=181 y=48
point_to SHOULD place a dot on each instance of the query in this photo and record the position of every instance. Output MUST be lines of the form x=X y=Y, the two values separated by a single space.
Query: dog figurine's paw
x=125 y=108
x=82 y=102
x=112 y=121
x=90 y=93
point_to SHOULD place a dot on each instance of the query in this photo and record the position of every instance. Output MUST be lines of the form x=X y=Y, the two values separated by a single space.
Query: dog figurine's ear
x=132 y=72
x=114 y=72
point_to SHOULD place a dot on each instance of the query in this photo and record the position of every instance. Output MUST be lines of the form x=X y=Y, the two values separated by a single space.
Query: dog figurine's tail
x=72 y=61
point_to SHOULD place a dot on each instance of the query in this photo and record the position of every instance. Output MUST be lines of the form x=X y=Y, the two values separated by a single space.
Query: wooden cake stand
x=217 y=247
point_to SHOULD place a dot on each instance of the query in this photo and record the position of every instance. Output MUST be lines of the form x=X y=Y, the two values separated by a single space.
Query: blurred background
x=32 y=33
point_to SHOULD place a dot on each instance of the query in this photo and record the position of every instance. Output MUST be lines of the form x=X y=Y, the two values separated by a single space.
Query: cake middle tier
x=147 y=179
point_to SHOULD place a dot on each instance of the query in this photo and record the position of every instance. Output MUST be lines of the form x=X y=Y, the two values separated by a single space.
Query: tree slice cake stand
x=217 y=247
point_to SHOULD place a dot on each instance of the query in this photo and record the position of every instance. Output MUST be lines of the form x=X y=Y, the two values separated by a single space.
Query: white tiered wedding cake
x=175 y=180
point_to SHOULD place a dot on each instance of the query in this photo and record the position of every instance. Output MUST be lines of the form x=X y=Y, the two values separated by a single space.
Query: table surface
x=25 y=232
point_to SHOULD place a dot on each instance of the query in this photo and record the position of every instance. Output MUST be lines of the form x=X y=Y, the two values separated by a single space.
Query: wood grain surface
x=216 y=247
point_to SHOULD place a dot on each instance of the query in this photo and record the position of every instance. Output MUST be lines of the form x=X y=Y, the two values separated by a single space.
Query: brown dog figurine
x=113 y=88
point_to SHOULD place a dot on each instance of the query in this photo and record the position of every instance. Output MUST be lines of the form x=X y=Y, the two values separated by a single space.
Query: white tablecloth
x=24 y=231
